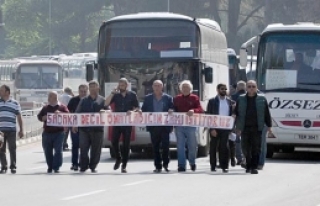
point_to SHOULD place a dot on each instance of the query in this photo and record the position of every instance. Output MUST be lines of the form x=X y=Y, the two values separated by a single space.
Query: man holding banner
x=124 y=101
x=187 y=103
x=52 y=137
x=219 y=138
x=159 y=102
x=90 y=138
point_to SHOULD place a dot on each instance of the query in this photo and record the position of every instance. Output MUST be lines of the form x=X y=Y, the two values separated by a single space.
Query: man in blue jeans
x=72 y=106
x=188 y=103
x=52 y=137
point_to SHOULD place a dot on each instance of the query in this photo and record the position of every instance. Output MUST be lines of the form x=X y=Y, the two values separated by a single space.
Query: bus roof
x=151 y=15
x=231 y=51
x=300 y=26
x=165 y=16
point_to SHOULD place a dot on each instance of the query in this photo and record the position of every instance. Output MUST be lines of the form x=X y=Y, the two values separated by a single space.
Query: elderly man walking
x=159 y=102
x=188 y=103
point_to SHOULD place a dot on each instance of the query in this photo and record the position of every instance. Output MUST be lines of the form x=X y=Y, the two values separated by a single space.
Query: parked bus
x=7 y=73
x=235 y=72
x=288 y=72
x=31 y=80
x=74 y=69
x=144 y=47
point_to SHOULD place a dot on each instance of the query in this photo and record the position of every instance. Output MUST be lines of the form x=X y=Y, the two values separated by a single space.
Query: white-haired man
x=188 y=103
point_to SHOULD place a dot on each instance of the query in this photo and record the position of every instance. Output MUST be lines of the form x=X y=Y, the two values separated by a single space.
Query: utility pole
x=50 y=31
x=2 y=31
x=267 y=12
x=168 y=5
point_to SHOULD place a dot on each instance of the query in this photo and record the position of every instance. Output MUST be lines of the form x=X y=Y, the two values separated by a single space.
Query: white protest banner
x=137 y=119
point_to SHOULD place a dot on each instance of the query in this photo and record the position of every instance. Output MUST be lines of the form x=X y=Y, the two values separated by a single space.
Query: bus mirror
x=208 y=75
x=66 y=74
x=243 y=57
x=13 y=76
x=89 y=72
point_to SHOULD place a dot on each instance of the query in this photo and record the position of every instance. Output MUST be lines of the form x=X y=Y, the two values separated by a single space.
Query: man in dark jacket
x=124 y=101
x=241 y=89
x=90 y=138
x=72 y=106
x=159 y=102
x=219 y=138
x=252 y=114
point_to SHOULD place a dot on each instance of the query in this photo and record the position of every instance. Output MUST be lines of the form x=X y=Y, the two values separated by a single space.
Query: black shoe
x=225 y=170
x=181 y=169
x=254 y=171
x=260 y=167
x=75 y=168
x=123 y=170
x=248 y=170
x=166 y=168
x=49 y=170
x=117 y=164
x=157 y=171
x=239 y=162
x=83 y=170
x=233 y=162
x=93 y=171
x=56 y=171
x=193 y=167
x=213 y=169
x=13 y=171
x=3 y=171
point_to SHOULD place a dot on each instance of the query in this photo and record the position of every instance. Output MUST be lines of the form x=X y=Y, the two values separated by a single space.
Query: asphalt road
x=288 y=179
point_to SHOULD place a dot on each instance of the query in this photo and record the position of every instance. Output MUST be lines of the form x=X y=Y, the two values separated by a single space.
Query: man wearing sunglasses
x=252 y=113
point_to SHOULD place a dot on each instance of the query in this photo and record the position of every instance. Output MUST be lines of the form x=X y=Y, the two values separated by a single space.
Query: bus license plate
x=142 y=129
x=307 y=137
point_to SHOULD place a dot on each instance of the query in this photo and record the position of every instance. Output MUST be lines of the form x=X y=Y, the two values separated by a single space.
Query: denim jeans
x=186 y=136
x=263 y=154
x=52 y=147
x=75 y=149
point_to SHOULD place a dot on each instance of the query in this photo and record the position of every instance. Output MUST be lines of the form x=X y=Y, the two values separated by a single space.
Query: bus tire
x=112 y=153
x=203 y=151
x=136 y=150
x=288 y=149
x=270 y=151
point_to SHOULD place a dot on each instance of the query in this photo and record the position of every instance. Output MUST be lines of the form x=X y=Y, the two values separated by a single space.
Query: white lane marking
x=137 y=183
x=37 y=168
x=83 y=195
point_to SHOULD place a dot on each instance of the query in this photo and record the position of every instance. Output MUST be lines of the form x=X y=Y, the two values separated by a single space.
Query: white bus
x=288 y=72
x=31 y=80
x=74 y=69
x=144 y=47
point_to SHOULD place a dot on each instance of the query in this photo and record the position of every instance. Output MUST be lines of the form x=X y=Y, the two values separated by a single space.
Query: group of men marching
x=249 y=109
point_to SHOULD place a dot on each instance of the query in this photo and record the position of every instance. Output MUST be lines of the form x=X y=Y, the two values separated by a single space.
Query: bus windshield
x=148 y=39
x=39 y=77
x=142 y=75
x=289 y=61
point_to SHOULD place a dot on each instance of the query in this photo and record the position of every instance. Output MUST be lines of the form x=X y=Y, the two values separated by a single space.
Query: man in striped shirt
x=10 y=111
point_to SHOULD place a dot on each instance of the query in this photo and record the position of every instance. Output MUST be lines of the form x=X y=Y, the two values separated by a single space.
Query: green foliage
x=74 y=23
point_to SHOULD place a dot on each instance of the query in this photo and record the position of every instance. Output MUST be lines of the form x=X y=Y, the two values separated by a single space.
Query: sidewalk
x=29 y=140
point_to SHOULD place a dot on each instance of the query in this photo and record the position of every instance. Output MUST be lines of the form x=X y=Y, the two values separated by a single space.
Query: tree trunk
x=233 y=18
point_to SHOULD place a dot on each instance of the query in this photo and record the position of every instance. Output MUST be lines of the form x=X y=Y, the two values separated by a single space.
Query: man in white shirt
x=220 y=105
x=64 y=99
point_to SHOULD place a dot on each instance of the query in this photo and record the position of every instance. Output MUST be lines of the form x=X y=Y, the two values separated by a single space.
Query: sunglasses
x=251 y=86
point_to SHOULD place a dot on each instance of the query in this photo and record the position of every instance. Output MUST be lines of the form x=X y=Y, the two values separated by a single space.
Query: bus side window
x=208 y=74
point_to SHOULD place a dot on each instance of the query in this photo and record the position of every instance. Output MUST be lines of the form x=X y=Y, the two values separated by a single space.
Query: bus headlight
x=274 y=123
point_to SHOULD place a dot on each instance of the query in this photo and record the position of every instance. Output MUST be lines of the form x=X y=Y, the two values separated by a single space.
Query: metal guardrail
x=31 y=125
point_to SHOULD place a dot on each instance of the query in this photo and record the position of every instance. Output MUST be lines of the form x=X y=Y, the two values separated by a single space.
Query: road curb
x=29 y=140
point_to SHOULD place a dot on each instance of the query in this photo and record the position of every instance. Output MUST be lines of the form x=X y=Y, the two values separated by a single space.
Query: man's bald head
x=241 y=85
